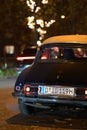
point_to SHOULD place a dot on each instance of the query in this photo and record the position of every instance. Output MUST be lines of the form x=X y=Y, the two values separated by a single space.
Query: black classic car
x=57 y=77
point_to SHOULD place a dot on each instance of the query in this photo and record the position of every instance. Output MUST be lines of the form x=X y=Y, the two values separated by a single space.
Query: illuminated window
x=50 y=53
x=9 y=49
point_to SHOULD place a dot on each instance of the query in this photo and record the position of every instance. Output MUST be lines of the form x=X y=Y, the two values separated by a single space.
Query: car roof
x=67 y=39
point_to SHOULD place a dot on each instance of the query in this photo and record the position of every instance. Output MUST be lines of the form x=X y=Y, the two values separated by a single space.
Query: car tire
x=25 y=109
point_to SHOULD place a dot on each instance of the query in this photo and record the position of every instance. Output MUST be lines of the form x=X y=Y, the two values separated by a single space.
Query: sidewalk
x=8 y=73
x=7 y=82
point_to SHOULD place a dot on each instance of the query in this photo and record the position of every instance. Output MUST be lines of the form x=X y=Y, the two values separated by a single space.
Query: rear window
x=60 y=53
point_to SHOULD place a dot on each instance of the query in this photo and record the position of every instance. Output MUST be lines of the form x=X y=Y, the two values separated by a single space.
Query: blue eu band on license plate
x=47 y=90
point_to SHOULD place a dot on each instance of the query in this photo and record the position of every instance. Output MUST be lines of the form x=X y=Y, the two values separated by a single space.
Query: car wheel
x=25 y=109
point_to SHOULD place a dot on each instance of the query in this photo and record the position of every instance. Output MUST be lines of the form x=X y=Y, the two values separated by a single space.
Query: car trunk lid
x=64 y=72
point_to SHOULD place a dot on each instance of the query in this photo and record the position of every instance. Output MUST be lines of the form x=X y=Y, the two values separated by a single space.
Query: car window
x=80 y=52
x=50 y=53
x=63 y=53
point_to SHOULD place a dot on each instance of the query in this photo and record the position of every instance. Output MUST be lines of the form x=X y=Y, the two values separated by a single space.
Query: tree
x=13 y=22
x=75 y=21
x=16 y=17
x=41 y=17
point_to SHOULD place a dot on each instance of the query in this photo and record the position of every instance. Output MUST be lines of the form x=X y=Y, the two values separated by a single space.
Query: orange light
x=26 y=58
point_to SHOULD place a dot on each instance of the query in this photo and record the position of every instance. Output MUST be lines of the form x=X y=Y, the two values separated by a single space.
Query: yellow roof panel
x=67 y=39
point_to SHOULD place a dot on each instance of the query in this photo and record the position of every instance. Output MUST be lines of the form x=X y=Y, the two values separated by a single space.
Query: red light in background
x=25 y=58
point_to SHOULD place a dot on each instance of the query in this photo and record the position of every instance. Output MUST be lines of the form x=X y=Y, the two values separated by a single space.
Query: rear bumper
x=51 y=101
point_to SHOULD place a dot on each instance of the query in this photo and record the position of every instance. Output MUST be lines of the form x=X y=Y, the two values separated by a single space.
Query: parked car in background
x=25 y=59
x=58 y=76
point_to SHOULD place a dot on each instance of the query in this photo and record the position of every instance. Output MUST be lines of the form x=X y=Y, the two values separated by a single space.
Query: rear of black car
x=55 y=80
x=59 y=81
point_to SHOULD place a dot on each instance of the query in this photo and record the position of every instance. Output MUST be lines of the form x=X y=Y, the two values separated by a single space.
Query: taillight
x=82 y=92
x=85 y=91
x=85 y=94
x=26 y=89
x=25 y=58
x=30 y=90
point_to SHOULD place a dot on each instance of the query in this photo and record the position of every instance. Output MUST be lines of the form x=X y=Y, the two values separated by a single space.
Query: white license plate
x=64 y=91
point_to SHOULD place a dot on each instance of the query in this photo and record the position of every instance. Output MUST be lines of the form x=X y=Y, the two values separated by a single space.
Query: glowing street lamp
x=44 y=1
x=62 y=16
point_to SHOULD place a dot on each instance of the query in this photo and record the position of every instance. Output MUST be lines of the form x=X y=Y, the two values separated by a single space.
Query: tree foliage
x=75 y=21
x=14 y=13
x=13 y=22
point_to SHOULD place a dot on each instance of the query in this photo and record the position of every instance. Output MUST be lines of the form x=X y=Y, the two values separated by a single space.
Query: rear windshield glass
x=66 y=53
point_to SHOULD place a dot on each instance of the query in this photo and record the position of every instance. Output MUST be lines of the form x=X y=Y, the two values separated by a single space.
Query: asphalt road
x=11 y=119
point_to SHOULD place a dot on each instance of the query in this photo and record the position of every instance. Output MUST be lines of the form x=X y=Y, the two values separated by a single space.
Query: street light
x=62 y=16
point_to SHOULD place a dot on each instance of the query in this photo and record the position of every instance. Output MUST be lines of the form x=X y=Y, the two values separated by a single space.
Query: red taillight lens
x=82 y=92
x=85 y=91
x=85 y=94
x=25 y=58
x=30 y=90
x=26 y=89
